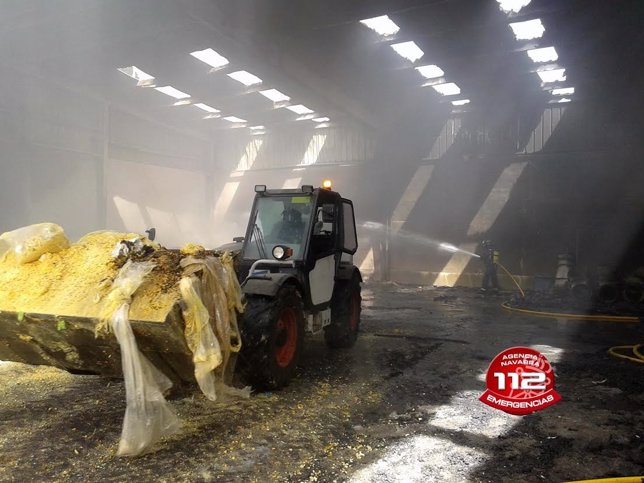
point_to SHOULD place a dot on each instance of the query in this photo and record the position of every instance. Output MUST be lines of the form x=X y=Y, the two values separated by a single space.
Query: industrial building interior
x=447 y=123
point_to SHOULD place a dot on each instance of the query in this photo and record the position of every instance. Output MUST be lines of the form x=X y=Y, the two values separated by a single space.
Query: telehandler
x=295 y=267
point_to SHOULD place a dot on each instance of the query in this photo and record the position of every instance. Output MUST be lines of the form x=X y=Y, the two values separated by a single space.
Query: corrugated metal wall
x=445 y=138
x=295 y=145
x=545 y=127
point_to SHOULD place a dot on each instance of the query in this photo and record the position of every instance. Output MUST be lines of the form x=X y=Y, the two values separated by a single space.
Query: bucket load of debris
x=118 y=304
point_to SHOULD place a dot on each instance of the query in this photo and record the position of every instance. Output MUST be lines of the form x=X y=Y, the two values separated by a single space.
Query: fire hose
x=635 y=354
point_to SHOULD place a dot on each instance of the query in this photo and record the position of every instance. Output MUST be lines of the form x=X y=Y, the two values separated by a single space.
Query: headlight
x=281 y=252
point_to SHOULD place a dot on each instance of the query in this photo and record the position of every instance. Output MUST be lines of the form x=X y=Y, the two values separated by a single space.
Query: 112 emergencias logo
x=520 y=381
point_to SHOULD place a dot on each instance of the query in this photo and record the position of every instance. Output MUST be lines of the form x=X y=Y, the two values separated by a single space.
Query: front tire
x=345 y=314
x=272 y=338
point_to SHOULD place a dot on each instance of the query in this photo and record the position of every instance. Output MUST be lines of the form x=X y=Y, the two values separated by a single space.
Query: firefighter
x=490 y=257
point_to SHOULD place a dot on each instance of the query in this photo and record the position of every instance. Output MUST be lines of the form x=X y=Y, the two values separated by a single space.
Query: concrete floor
x=400 y=406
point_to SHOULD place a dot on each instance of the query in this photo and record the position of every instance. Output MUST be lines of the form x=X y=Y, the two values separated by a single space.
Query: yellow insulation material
x=193 y=249
x=72 y=281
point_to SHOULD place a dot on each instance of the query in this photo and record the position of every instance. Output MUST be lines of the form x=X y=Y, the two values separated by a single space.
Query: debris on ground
x=333 y=421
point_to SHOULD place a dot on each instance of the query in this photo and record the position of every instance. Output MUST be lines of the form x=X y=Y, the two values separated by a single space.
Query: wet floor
x=402 y=405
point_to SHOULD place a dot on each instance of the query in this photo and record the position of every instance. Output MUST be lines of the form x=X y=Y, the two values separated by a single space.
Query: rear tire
x=345 y=314
x=272 y=337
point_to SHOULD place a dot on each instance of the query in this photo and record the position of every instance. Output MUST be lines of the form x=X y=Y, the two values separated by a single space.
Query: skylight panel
x=563 y=100
x=408 y=50
x=554 y=75
x=299 y=109
x=135 y=73
x=563 y=91
x=430 y=71
x=172 y=92
x=245 y=78
x=210 y=57
x=514 y=6
x=321 y=119
x=383 y=25
x=275 y=95
x=528 y=30
x=460 y=102
x=206 y=107
x=257 y=128
x=447 y=89
x=234 y=119
x=545 y=54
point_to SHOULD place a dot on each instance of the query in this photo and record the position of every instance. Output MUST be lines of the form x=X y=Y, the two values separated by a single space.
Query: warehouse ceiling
x=319 y=54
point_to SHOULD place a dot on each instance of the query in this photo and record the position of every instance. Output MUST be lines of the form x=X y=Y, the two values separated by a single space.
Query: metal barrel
x=581 y=290
x=633 y=292
x=607 y=287
x=608 y=292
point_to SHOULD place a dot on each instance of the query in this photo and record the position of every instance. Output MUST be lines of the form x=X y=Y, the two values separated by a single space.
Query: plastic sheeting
x=29 y=243
x=129 y=278
x=148 y=417
x=212 y=298
x=206 y=351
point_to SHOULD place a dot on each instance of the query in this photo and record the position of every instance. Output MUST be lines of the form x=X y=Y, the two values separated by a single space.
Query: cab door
x=324 y=254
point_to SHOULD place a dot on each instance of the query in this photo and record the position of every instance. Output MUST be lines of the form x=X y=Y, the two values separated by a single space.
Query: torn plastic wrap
x=29 y=243
x=128 y=279
x=233 y=289
x=218 y=296
x=206 y=352
x=148 y=417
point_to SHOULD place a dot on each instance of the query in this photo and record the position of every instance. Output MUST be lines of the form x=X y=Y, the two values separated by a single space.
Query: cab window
x=350 y=244
x=278 y=220
x=324 y=229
